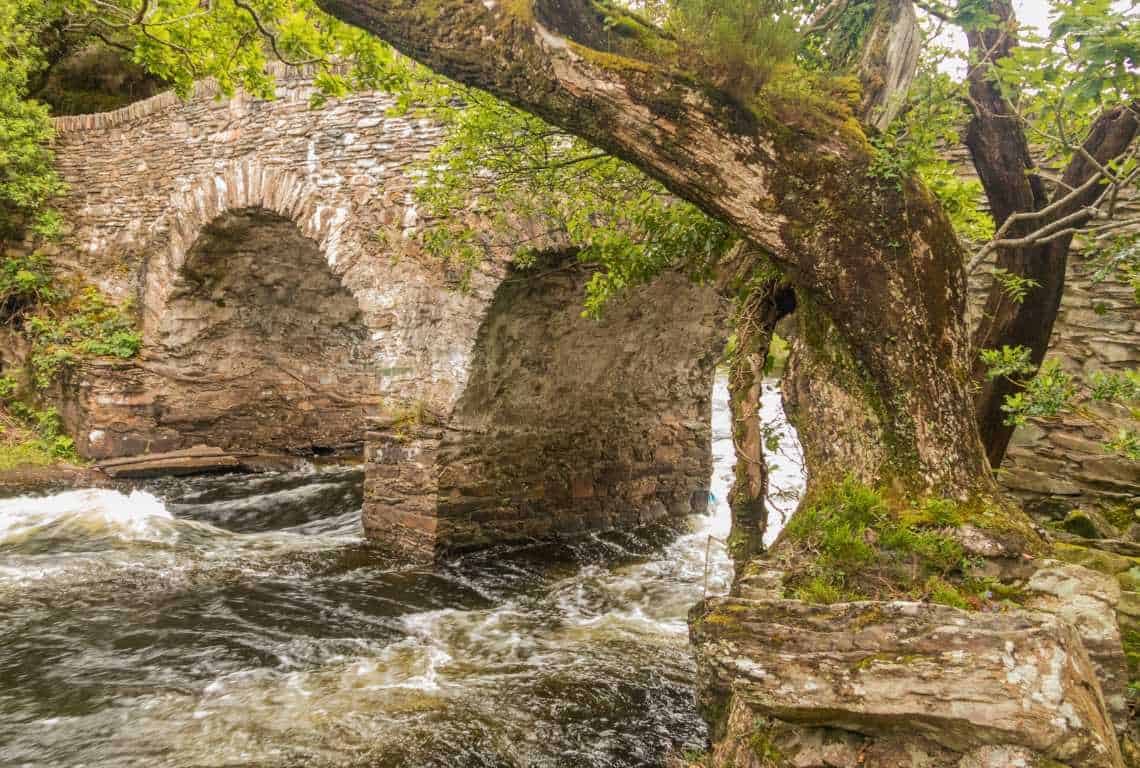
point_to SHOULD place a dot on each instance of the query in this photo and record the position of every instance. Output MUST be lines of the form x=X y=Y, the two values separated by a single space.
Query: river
x=241 y=621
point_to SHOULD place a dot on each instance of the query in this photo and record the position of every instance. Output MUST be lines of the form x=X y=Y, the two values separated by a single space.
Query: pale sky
x=1030 y=13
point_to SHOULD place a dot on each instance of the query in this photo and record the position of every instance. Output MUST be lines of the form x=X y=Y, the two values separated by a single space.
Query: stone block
x=963 y=681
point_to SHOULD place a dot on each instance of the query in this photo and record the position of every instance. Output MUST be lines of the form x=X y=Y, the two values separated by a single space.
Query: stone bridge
x=272 y=254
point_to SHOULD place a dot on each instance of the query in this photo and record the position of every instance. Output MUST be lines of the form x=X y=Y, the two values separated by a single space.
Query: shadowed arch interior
x=262 y=346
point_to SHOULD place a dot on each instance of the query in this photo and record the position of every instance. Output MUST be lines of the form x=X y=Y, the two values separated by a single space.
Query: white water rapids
x=241 y=622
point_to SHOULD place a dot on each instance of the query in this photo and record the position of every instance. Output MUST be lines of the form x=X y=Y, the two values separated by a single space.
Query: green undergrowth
x=30 y=436
x=83 y=324
x=61 y=322
x=852 y=542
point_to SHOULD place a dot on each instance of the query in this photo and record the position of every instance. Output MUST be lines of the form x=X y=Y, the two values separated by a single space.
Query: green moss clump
x=1122 y=516
x=853 y=542
x=945 y=593
x=1096 y=559
x=819 y=590
x=695 y=757
x=1130 y=579
x=761 y=746
x=522 y=10
x=932 y=512
x=1131 y=641
x=836 y=526
x=1086 y=525
x=611 y=61
x=861 y=544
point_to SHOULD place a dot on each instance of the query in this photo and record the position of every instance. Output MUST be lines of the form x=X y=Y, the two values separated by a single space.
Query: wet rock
x=901 y=673
x=191 y=461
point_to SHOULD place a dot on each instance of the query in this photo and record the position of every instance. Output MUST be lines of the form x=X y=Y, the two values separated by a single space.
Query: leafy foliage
x=30 y=436
x=182 y=41
x=25 y=281
x=857 y=538
x=63 y=322
x=1059 y=81
x=27 y=178
x=1047 y=394
x=1007 y=361
x=1052 y=391
x=85 y=324
x=529 y=177
x=1119 y=259
x=916 y=141
x=1014 y=286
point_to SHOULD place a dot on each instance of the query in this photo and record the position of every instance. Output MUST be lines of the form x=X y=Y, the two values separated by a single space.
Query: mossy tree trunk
x=874 y=258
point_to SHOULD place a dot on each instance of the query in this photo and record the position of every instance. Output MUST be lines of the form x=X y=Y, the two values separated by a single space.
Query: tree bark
x=755 y=322
x=1000 y=151
x=875 y=257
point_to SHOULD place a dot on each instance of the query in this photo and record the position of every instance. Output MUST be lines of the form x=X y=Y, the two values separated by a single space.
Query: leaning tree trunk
x=875 y=258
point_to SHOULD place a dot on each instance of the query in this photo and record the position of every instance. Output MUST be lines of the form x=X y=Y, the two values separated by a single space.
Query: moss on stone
x=1087 y=524
x=1005 y=522
x=1097 y=559
x=1122 y=516
x=819 y=590
x=1130 y=579
x=521 y=10
x=761 y=745
x=850 y=541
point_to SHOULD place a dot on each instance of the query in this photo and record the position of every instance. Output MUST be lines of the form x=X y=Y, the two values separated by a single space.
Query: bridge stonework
x=273 y=255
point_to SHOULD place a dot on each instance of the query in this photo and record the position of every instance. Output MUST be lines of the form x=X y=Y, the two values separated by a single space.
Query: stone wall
x=1055 y=465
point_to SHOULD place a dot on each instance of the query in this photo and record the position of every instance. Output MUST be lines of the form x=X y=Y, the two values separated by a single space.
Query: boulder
x=1088 y=600
x=898 y=672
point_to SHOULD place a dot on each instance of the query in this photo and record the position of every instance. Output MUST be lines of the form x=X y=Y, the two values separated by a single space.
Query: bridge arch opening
x=269 y=350
x=257 y=347
x=565 y=424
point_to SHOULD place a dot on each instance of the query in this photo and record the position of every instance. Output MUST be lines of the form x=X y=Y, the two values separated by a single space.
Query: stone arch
x=239 y=185
x=565 y=424
x=253 y=338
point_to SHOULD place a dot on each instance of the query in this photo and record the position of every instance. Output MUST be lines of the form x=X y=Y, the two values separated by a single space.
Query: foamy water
x=149 y=632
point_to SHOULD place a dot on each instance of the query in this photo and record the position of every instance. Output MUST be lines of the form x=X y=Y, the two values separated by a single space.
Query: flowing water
x=241 y=621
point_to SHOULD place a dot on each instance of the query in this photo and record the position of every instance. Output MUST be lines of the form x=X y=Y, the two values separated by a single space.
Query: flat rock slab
x=191 y=461
x=961 y=680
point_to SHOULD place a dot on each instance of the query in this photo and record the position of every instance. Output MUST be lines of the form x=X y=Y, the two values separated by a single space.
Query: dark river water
x=241 y=621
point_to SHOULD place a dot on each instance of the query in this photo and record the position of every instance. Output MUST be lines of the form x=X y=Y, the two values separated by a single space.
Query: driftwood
x=189 y=461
